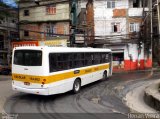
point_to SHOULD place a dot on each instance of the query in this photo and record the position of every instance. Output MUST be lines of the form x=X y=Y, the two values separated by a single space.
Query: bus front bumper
x=37 y=91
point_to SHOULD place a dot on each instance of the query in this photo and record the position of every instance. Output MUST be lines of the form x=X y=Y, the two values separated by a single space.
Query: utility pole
x=151 y=51
x=158 y=10
x=18 y=25
x=158 y=50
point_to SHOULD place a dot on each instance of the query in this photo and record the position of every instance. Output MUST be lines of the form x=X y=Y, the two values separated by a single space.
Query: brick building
x=8 y=31
x=117 y=26
x=44 y=20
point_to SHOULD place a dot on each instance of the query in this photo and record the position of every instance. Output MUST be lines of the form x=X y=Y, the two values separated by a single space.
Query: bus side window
x=80 y=60
x=88 y=59
x=52 y=62
x=74 y=60
x=71 y=57
x=66 y=61
x=106 y=57
x=103 y=56
x=110 y=57
x=97 y=58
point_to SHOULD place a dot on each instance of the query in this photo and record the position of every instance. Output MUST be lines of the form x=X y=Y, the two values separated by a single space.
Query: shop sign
x=79 y=38
x=54 y=43
x=24 y=43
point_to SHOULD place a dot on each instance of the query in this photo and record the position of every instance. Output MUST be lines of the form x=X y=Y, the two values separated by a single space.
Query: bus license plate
x=26 y=83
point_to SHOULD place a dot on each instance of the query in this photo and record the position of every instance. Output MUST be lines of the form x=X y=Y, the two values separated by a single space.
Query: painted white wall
x=135 y=12
x=39 y=13
x=83 y=3
x=130 y=49
x=133 y=50
x=103 y=17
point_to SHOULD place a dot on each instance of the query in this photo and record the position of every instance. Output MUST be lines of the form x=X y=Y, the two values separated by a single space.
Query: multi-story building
x=82 y=23
x=8 y=31
x=156 y=29
x=117 y=26
x=45 y=20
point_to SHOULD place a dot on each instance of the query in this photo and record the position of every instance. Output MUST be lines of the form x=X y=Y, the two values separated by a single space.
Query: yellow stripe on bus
x=57 y=77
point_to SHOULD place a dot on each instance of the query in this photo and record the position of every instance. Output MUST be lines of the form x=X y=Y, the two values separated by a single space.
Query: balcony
x=136 y=12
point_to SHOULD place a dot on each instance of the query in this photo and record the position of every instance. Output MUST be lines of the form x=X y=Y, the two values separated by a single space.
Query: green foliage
x=16 y=1
x=3 y=4
x=5 y=12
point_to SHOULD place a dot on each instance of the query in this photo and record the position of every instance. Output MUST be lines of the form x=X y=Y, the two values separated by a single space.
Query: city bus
x=46 y=70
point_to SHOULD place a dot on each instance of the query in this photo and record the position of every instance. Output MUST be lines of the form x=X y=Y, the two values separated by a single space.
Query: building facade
x=44 y=20
x=82 y=23
x=156 y=30
x=117 y=25
x=8 y=31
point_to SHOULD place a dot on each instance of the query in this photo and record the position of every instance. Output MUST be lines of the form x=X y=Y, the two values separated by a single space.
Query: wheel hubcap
x=77 y=86
x=104 y=76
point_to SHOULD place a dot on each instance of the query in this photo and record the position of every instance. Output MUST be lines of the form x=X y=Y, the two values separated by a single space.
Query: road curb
x=152 y=95
x=5 y=77
x=138 y=71
x=135 y=112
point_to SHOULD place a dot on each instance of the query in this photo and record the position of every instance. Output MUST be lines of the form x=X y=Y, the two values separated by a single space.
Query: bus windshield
x=28 y=57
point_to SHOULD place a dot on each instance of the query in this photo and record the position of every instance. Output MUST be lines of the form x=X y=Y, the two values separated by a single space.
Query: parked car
x=4 y=68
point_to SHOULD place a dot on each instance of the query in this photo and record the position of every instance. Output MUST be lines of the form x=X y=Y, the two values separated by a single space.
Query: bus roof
x=63 y=49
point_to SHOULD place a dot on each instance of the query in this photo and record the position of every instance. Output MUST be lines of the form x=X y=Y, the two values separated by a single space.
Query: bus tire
x=105 y=75
x=76 y=86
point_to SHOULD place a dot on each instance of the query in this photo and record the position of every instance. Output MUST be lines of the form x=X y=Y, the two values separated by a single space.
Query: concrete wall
x=124 y=14
x=38 y=19
x=132 y=59
x=90 y=22
x=61 y=28
x=103 y=17
x=36 y=13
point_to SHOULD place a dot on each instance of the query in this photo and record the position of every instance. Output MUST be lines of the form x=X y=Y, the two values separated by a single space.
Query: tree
x=4 y=12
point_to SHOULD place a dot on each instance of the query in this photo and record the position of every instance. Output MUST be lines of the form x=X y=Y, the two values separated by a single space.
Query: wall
x=132 y=60
x=36 y=13
x=90 y=22
x=61 y=28
x=103 y=17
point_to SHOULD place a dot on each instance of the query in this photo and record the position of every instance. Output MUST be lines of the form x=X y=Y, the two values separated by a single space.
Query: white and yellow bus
x=52 y=70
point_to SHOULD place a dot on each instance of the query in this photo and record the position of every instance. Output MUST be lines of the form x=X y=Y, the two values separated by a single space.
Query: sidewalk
x=152 y=95
x=135 y=100
x=5 y=77
x=138 y=71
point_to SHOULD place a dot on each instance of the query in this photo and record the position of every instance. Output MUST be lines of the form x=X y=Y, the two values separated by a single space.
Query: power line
x=40 y=32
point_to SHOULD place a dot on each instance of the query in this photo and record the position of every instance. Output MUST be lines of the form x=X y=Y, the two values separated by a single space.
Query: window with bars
x=26 y=13
x=134 y=27
x=115 y=27
x=26 y=33
x=1 y=41
x=111 y=4
x=65 y=30
x=51 y=30
x=51 y=10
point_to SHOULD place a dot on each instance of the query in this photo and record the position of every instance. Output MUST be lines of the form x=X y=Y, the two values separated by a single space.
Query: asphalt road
x=99 y=100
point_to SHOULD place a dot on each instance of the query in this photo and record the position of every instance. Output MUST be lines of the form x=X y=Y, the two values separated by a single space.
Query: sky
x=10 y=2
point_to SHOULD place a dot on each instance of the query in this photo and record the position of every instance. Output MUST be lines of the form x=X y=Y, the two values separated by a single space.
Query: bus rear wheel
x=105 y=75
x=76 y=86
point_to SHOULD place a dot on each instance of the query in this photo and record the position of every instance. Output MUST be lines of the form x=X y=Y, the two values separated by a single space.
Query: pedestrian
x=120 y=62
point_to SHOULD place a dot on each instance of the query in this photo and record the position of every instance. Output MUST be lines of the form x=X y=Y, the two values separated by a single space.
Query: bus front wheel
x=76 y=86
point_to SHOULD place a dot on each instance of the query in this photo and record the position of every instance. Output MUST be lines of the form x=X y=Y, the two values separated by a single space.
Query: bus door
x=110 y=63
